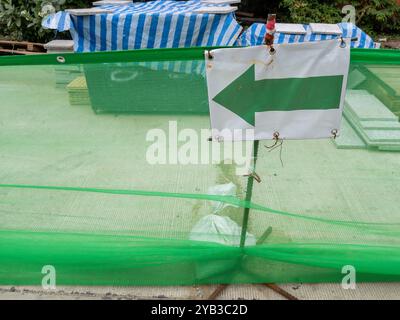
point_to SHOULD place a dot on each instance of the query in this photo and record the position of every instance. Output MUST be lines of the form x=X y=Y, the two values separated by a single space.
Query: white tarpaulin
x=298 y=92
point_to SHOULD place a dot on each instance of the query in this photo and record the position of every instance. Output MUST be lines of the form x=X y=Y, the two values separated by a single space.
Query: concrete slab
x=363 y=291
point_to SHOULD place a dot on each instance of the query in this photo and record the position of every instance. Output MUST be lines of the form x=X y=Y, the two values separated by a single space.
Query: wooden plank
x=19 y=52
x=280 y=291
x=21 y=43
x=217 y=292
x=11 y=42
x=21 y=46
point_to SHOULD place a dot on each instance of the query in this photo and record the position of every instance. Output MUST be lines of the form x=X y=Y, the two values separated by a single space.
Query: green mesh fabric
x=77 y=193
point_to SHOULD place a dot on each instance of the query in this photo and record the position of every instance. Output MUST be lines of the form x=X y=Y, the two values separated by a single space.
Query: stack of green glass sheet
x=64 y=75
x=78 y=91
x=377 y=126
x=384 y=82
x=348 y=138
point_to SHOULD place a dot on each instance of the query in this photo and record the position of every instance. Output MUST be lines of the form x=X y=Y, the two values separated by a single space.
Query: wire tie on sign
x=278 y=143
x=276 y=138
x=342 y=43
x=209 y=55
x=334 y=133
x=254 y=175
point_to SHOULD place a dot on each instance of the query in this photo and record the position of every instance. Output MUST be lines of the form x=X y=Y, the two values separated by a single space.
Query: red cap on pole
x=269 y=37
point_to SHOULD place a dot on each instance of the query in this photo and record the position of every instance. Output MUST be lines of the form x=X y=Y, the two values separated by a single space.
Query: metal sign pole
x=249 y=191
x=269 y=41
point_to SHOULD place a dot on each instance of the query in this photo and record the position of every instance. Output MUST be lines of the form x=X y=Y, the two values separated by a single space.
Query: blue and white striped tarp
x=255 y=34
x=154 y=24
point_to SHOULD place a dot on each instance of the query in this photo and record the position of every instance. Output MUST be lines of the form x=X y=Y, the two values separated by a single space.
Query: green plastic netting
x=77 y=192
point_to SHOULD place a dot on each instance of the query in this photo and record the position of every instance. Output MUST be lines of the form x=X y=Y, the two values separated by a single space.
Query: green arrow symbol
x=245 y=96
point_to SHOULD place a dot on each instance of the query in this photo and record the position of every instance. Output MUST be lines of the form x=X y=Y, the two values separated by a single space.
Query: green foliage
x=21 y=19
x=378 y=15
x=306 y=11
x=374 y=16
x=260 y=8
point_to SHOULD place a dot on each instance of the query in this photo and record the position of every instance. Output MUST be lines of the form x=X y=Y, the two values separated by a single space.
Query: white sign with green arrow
x=298 y=92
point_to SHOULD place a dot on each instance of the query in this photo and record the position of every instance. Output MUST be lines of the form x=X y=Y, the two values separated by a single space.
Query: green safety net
x=78 y=192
